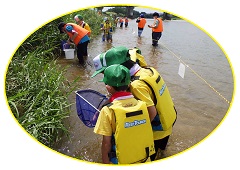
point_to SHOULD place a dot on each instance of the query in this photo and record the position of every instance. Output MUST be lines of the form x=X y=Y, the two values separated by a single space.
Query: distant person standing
x=141 y=23
x=126 y=21
x=116 y=21
x=107 y=30
x=157 y=29
x=121 y=22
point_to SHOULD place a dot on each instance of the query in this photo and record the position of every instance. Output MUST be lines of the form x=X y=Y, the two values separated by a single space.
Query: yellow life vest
x=136 y=57
x=133 y=136
x=163 y=100
x=107 y=27
x=86 y=26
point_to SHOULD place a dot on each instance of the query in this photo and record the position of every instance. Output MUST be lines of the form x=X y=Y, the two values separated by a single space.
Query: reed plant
x=45 y=42
x=37 y=95
x=36 y=87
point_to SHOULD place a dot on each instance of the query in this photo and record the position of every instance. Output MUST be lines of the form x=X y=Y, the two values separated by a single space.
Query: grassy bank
x=36 y=87
x=37 y=96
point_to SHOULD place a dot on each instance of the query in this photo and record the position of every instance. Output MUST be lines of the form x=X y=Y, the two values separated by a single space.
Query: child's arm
x=106 y=148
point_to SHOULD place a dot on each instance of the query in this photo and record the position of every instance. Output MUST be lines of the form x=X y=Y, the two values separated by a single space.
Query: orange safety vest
x=126 y=20
x=142 y=23
x=81 y=32
x=160 y=26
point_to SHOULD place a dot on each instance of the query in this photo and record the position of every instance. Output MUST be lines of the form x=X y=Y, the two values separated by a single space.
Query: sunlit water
x=201 y=97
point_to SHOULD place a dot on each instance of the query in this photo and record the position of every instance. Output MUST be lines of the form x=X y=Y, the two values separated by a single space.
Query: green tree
x=121 y=11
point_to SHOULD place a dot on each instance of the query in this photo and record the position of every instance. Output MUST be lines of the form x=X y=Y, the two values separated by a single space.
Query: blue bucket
x=64 y=45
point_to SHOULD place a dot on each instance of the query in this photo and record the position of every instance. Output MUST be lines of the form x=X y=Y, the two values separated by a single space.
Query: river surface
x=201 y=98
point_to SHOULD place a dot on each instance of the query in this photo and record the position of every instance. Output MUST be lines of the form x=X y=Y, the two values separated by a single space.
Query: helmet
x=142 y=16
x=69 y=28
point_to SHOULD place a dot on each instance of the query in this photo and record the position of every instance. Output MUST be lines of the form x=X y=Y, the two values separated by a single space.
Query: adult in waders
x=124 y=123
x=147 y=85
x=120 y=22
x=126 y=22
x=79 y=20
x=157 y=29
x=141 y=24
x=77 y=35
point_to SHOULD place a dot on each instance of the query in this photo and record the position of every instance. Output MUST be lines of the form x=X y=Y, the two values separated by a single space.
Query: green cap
x=116 y=55
x=78 y=17
x=116 y=75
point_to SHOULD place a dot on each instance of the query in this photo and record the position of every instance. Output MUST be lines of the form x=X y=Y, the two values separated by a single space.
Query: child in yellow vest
x=107 y=30
x=124 y=123
x=147 y=85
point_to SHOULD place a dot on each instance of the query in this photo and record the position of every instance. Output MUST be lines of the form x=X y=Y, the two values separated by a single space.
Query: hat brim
x=98 y=71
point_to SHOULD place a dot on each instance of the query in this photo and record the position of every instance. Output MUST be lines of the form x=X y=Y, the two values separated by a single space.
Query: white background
x=19 y=18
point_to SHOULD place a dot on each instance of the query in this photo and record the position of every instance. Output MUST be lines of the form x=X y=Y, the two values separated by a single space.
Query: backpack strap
x=156 y=123
x=112 y=154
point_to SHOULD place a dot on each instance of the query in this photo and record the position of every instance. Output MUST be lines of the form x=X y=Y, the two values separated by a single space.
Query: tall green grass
x=37 y=95
x=45 y=42
x=36 y=88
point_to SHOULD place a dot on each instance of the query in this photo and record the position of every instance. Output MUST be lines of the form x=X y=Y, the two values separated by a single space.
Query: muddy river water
x=201 y=98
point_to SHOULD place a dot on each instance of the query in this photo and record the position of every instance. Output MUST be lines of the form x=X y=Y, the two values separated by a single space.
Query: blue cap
x=69 y=28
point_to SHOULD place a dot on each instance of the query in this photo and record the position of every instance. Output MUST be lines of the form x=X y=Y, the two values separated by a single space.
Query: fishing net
x=88 y=103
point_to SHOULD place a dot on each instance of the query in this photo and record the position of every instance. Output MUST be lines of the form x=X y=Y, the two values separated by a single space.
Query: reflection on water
x=198 y=97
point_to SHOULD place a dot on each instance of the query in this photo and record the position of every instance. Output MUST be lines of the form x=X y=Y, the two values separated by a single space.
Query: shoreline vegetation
x=36 y=88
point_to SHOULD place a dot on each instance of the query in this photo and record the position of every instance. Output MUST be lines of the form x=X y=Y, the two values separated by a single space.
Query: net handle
x=87 y=101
